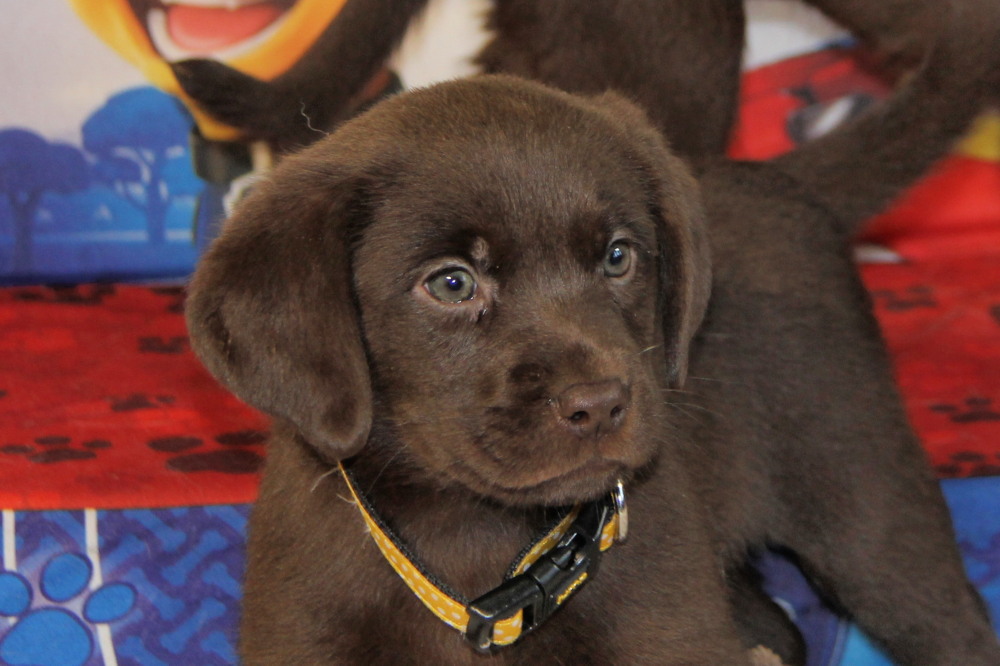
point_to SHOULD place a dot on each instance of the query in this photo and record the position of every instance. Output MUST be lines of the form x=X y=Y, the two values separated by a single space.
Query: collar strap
x=539 y=581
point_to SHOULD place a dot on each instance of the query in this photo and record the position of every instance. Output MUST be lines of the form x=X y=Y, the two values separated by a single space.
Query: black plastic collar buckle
x=545 y=584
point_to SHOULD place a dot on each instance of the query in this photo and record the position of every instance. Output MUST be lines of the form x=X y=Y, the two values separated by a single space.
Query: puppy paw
x=761 y=656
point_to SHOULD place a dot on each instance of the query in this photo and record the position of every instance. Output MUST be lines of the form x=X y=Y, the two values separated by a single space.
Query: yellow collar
x=538 y=583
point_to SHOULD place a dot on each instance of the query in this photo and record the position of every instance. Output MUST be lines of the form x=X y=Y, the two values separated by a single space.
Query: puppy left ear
x=685 y=265
x=271 y=309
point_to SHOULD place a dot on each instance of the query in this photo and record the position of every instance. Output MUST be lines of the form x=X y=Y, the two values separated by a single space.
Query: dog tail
x=858 y=170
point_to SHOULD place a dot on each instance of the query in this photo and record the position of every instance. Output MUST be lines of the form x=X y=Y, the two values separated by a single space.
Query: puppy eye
x=453 y=285
x=618 y=259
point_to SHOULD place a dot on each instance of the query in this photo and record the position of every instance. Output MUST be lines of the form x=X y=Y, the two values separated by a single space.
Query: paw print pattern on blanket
x=976 y=409
x=175 y=298
x=156 y=344
x=969 y=464
x=90 y=294
x=236 y=456
x=136 y=401
x=58 y=630
x=56 y=449
x=901 y=300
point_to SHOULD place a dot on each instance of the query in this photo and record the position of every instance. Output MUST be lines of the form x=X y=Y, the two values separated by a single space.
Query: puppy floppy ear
x=685 y=265
x=271 y=309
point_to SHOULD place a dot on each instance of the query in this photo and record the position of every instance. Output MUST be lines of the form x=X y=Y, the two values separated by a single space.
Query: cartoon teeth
x=217 y=29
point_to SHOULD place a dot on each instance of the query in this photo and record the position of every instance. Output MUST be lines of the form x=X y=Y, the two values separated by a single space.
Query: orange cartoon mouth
x=217 y=29
x=260 y=38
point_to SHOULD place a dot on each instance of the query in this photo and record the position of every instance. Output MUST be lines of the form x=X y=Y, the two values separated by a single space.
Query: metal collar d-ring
x=621 y=510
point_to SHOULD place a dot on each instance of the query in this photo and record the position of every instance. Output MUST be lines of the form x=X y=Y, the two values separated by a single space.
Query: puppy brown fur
x=679 y=59
x=755 y=404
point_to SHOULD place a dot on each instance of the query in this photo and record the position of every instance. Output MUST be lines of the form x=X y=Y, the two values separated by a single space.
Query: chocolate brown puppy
x=490 y=298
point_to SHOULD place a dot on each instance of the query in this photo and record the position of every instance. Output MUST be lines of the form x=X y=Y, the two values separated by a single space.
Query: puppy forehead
x=529 y=171
x=511 y=197
x=501 y=219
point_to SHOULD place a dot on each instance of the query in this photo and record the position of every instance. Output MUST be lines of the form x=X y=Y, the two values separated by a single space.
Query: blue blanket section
x=161 y=586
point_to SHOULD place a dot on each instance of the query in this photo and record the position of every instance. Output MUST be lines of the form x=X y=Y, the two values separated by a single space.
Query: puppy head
x=506 y=276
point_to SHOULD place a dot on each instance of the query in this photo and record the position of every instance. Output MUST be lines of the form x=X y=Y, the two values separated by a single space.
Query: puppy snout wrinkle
x=592 y=409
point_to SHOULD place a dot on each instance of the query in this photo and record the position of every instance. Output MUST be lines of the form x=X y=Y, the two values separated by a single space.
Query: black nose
x=594 y=408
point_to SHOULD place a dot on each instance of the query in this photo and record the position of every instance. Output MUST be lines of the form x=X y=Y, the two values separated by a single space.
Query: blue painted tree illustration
x=137 y=138
x=30 y=166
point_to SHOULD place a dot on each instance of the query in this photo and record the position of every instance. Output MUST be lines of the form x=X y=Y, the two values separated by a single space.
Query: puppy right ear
x=685 y=265
x=271 y=309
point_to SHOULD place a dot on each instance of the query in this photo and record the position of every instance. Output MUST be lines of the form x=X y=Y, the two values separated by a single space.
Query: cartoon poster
x=95 y=177
x=108 y=170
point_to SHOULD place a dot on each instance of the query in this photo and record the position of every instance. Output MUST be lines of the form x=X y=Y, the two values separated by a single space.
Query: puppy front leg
x=875 y=535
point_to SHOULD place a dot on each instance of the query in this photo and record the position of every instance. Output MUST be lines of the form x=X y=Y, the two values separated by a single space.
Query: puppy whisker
x=698 y=407
x=717 y=381
x=395 y=454
x=321 y=477
x=681 y=409
x=678 y=391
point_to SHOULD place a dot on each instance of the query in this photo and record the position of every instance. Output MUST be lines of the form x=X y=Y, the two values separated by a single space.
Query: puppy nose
x=594 y=408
